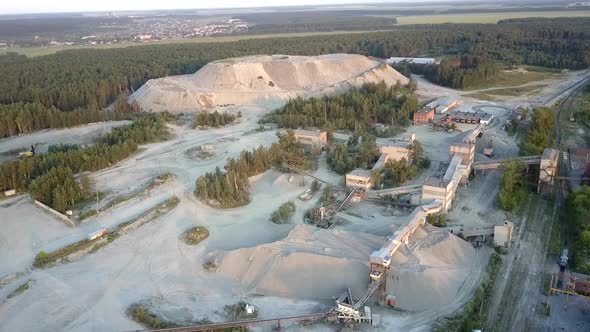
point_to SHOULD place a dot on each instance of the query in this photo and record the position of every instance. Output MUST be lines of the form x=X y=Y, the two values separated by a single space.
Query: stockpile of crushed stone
x=263 y=80
x=430 y=270
x=310 y=263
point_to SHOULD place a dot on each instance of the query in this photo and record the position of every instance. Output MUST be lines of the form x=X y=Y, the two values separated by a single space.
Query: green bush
x=284 y=213
x=195 y=235
x=438 y=219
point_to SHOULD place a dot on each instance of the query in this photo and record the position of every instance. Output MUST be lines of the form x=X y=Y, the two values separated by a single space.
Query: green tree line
x=230 y=187
x=42 y=172
x=513 y=186
x=354 y=110
x=539 y=133
x=21 y=118
x=457 y=72
x=215 y=119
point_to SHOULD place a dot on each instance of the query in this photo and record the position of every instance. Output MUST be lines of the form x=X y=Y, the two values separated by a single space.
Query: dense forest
x=49 y=177
x=214 y=119
x=539 y=133
x=20 y=118
x=456 y=72
x=354 y=110
x=309 y=21
x=95 y=77
x=230 y=187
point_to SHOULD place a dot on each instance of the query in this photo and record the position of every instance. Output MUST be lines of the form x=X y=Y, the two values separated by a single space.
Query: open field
x=492 y=94
x=40 y=51
x=509 y=78
x=484 y=17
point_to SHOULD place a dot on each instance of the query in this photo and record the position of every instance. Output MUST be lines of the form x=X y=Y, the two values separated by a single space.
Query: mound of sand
x=309 y=263
x=430 y=271
x=266 y=80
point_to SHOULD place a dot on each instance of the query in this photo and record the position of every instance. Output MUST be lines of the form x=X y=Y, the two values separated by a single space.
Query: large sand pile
x=431 y=270
x=268 y=80
x=309 y=263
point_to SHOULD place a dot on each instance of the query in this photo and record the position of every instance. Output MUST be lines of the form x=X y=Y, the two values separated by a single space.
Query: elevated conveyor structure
x=415 y=188
x=496 y=164
x=220 y=326
x=480 y=231
x=300 y=171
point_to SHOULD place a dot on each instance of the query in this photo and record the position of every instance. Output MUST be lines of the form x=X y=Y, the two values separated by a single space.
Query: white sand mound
x=267 y=80
x=430 y=271
x=309 y=263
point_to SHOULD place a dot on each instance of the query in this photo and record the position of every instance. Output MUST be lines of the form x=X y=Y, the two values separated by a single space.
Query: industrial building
x=399 y=148
x=548 y=169
x=503 y=234
x=311 y=139
x=359 y=178
x=423 y=115
x=443 y=105
x=469 y=117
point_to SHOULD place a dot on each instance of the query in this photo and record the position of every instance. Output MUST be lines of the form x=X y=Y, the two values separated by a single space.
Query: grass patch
x=44 y=259
x=195 y=235
x=556 y=240
x=542 y=69
x=506 y=78
x=481 y=96
x=517 y=91
x=545 y=283
x=475 y=311
x=21 y=289
x=486 y=18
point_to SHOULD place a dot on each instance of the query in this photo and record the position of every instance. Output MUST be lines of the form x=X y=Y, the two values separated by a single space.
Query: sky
x=56 y=6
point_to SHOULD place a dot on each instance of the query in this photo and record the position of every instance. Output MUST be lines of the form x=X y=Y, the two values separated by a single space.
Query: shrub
x=195 y=235
x=143 y=315
x=284 y=213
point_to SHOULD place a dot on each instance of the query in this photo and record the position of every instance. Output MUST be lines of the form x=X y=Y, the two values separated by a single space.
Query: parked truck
x=563 y=259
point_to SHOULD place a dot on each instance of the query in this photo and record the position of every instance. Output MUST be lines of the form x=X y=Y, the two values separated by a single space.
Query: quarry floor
x=150 y=264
